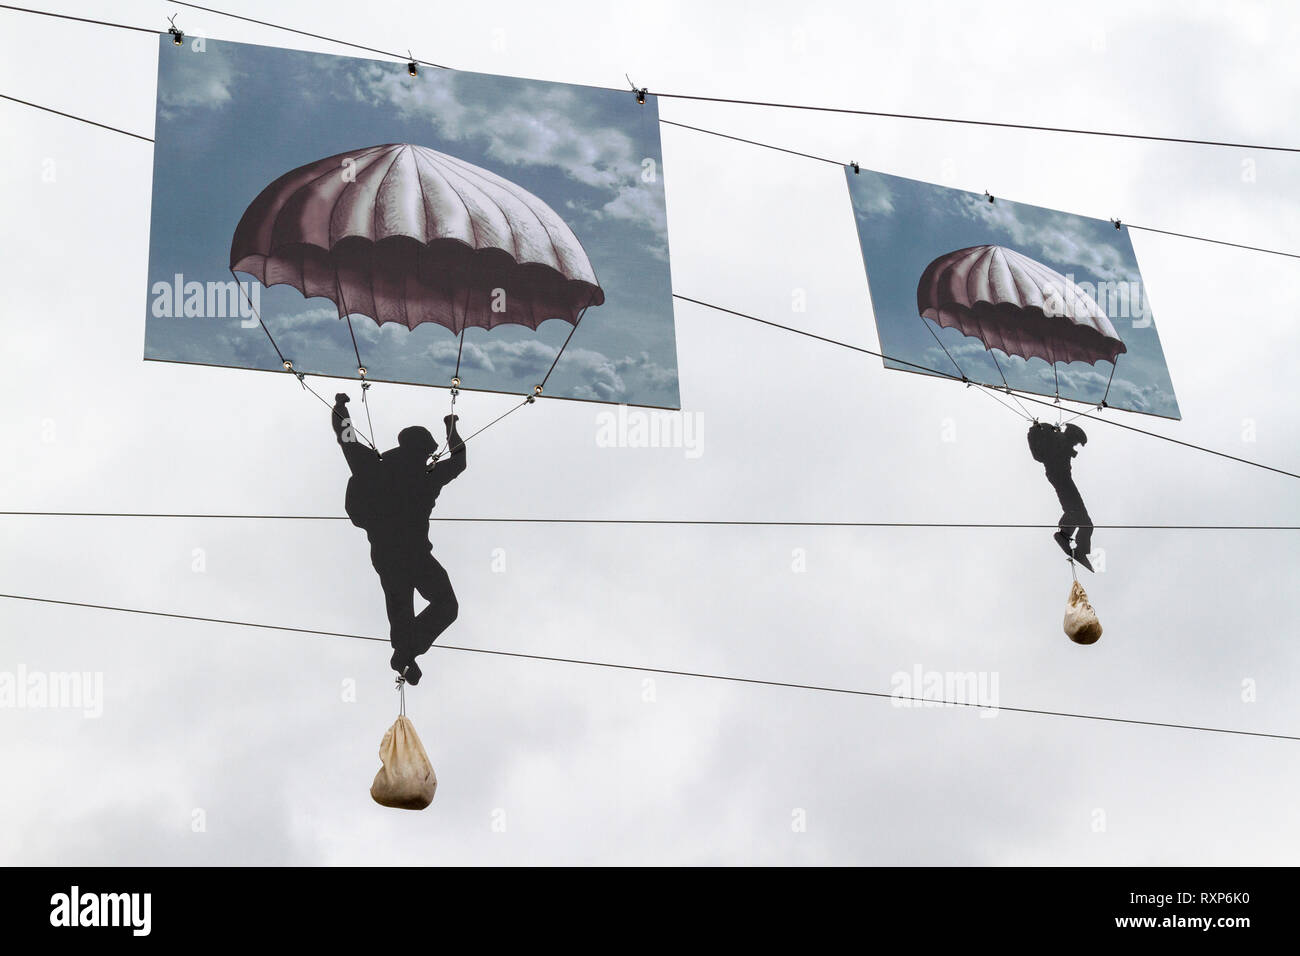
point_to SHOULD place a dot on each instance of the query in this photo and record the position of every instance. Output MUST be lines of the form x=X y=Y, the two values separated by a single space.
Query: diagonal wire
x=1217 y=242
x=937 y=342
x=814 y=335
x=65 y=16
x=447 y=449
x=567 y=340
x=672 y=672
x=974 y=122
x=1025 y=397
x=753 y=142
x=992 y=393
x=735 y=101
x=71 y=116
x=836 y=162
x=304 y=33
x=1166 y=232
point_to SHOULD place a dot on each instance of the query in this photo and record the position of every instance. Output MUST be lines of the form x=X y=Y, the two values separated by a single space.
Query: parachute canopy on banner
x=443 y=219
x=415 y=236
x=1012 y=303
x=1008 y=295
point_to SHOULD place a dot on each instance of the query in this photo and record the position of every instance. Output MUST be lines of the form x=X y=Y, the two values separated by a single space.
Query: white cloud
x=196 y=80
x=1059 y=239
x=871 y=196
x=547 y=127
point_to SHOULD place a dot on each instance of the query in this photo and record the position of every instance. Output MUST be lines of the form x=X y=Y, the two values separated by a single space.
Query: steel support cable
x=973 y=122
x=65 y=16
x=1129 y=225
x=813 y=336
x=842 y=165
x=754 y=318
x=71 y=116
x=700 y=675
x=668 y=522
x=768 y=104
x=1026 y=397
x=314 y=36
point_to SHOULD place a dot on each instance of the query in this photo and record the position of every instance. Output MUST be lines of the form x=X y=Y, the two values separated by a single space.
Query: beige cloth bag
x=406 y=780
x=1081 y=622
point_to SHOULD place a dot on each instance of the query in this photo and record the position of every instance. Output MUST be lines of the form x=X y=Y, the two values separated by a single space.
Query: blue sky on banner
x=233 y=117
x=904 y=224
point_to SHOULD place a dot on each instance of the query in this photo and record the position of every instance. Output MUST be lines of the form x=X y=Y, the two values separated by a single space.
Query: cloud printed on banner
x=602 y=377
x=873 y=199
x=1058 y=237
x=198 y=80
x=545 y=127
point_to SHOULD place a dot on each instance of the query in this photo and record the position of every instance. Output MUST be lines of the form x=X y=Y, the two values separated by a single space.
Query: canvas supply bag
x=406 y=780
x=1081 y=624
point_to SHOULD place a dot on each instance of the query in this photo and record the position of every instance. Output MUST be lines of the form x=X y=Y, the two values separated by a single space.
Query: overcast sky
x=249 y=730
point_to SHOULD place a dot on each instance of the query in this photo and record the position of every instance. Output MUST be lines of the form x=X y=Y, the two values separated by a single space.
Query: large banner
x=410 y=225
x=1008 y=294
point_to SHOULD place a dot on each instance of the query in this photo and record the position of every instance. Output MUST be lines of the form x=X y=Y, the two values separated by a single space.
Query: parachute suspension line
x=944 y=347
x=1007 y=386
x=538 y=389
x=1102 y=406
x=1056 y=378
x=447 y=449
x=302 y=380
x=1024 y=413
x=361 y=368
x=984 y=389
x=288 y=366
x=1059 y=412
x=460 y=348
x=365 y=402
x=1114 y=364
